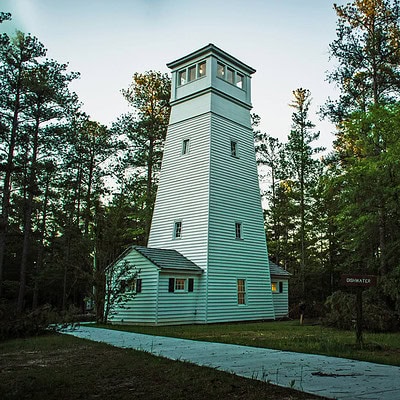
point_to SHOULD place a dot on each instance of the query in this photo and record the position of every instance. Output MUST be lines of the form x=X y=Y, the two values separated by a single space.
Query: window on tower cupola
x=230 y=75
x=192 y=73
x=182 y=77
x=239 y=80
x=201 y=69
x=220 y=70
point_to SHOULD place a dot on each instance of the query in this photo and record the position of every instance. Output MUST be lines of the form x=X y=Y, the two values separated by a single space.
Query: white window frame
x=234 y=148
x=239 y=82
x=185 y=146
x=192 y=70
x=278 y=286
x=185 y=73
x=230 y=75
x=238 y=230
x=199 y=66
x=182 y=77
x=180 y=285
x=221 y=67
x=241 y=294
x=177 y=229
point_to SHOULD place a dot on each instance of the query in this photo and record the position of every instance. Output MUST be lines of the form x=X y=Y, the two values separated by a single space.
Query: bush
x=34 y=323
x=377 y=316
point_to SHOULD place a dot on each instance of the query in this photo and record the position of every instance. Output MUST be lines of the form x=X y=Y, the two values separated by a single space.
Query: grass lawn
x=383 y=348
x=62 y=367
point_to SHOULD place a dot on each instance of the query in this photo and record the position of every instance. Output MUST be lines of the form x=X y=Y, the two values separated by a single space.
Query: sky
x=286 y=41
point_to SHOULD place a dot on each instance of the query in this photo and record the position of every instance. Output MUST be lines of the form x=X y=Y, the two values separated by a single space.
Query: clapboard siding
x=235 y=197
x=142 y=307
x=155 y=305
x=208 y=190
x=183 y=192
x=177 y=308
x=281 y=302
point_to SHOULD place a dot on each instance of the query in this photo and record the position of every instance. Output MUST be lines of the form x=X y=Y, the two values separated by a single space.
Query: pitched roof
x=276 y=270
x=205 y=51
x=168 y=259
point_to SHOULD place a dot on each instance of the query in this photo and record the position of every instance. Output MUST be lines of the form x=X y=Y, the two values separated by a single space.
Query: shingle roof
x=167 y=259
x=276 y=270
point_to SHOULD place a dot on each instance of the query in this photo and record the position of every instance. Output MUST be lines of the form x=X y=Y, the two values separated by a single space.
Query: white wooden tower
x=208 y=204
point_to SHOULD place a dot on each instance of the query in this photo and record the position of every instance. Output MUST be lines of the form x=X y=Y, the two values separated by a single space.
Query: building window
x=241 y=290
x=277 y=287
x=230 y=75
x=131 y=285
x=180 y=284
x=239 y=80
x=177 y=229
x=192 y=73
x=182 y=77
x=220 y=70
x=201 y=69
x=234 y=148
x=185 y=146
x=238 y=230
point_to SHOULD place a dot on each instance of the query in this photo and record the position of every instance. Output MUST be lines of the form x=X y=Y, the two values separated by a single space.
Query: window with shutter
x=139 y=285
x=171 y=285
x=180 y=285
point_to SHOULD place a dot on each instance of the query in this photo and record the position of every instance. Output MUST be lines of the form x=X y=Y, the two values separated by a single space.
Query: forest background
x=75 y=193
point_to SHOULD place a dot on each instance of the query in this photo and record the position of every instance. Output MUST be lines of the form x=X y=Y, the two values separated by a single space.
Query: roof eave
x=211 y=48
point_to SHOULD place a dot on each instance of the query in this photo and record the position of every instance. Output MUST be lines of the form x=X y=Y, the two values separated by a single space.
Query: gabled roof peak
x=168 y=259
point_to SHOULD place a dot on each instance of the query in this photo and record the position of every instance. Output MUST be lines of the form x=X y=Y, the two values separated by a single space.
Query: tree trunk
x=5 y=209
x=32 y=187
x=39 y=261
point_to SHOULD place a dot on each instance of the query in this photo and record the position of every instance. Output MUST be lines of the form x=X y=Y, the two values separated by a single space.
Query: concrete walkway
x=332 y=377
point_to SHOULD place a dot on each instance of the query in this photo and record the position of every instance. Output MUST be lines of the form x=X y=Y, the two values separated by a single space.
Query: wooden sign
x=358 y=280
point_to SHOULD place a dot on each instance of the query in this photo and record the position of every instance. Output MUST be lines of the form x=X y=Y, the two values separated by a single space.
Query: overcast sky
x=286 y=41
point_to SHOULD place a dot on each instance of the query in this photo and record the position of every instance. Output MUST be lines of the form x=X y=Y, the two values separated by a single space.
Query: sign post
x=359 y=282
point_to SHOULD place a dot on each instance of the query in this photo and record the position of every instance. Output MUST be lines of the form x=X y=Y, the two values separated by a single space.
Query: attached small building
x=280 y=289
x=207 y=258
x=167 y=291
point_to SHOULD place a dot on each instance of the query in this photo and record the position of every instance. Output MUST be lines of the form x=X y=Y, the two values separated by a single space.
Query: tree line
x=75 y=193
x=340 y=213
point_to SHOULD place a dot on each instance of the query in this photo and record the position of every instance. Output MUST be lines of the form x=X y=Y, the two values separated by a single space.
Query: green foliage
x=75 y=193
x=144 y=133
x=4 y=17
x=119 y=288
x=21 y=325
x=367 y=56
x=292 y=172
x=377 y=317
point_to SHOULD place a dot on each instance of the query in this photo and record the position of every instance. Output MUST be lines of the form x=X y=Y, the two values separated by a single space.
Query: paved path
x=332 y=377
